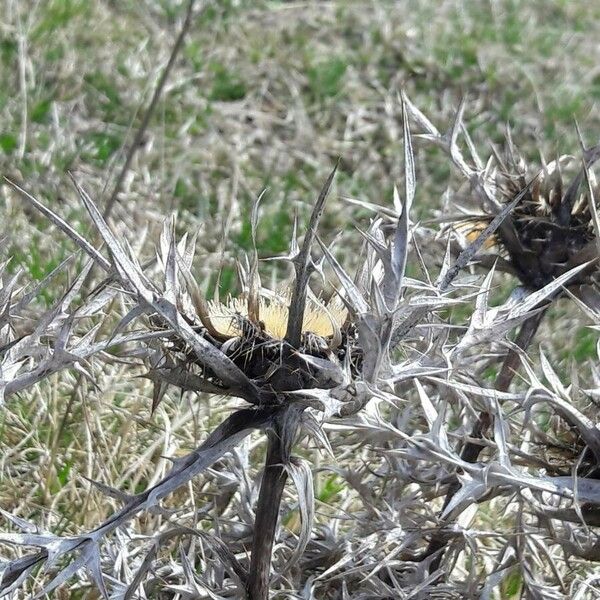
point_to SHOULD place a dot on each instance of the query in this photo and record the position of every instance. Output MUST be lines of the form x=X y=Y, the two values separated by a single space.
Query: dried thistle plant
x=375 y=375
x=246 y=358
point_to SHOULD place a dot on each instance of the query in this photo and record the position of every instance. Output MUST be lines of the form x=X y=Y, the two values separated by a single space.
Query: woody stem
x=279 y=446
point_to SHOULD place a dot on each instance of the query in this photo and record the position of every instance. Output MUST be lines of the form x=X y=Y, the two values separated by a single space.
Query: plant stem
x=139 y=135
x=280 y=440
x=281 y=436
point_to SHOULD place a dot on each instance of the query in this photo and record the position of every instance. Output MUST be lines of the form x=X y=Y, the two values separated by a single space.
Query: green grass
x=228 y=85
x=326 y=78
x=101 y=146
x=8 y=142
x=585 y=345
x=330 y=488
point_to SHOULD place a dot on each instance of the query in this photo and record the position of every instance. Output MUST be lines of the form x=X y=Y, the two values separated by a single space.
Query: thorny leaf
x=302 y=264
x=300 y=472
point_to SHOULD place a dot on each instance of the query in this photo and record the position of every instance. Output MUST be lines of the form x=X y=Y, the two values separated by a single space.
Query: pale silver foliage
x=392 y=413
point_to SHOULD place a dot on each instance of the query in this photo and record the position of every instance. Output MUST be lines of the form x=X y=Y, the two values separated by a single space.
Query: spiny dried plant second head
x=552 y=229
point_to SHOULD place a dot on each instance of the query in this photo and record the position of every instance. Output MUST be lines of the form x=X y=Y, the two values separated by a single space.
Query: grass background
x=265 y=95
x=268 y=95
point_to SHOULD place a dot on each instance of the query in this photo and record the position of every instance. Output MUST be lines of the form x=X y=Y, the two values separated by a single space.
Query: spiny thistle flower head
x=253 y=333
x=551 y=229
